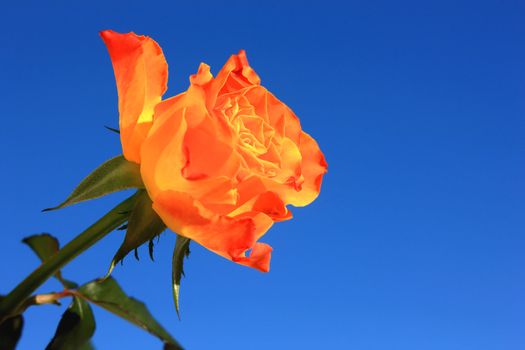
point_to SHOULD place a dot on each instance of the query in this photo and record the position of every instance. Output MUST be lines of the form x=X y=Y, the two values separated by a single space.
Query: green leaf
x=45 y=246
x=75 y=329
x=107 y=294
x=10 y=332
x=182 y=249
x=143 y=225
x=116 y=174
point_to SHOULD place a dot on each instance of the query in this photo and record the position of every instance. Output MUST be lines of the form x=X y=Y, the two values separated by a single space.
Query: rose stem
x=109 y=222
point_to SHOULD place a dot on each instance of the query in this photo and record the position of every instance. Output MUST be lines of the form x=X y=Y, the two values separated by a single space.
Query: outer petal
x=226 y=236
x=259 y=257
x=208 y=142
x=168 y=164
x=235 y=75
x=313 y=167
x=141 y=73
x=268 y=203
x=300 y=191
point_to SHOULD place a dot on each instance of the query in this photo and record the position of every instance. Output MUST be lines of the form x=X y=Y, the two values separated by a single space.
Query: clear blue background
x=417 y=240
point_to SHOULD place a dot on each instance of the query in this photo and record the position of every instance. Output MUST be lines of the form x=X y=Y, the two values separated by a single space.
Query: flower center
x=255 y=136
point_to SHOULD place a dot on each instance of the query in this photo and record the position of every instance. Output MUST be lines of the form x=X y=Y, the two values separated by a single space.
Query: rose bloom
x=220 y=161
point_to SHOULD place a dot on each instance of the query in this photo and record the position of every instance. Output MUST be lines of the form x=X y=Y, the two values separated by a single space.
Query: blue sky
x=417 y=239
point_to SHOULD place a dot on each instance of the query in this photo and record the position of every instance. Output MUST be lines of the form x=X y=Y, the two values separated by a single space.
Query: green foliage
x=182 y=250
x=75 y=329
x=107 y=294
x=144 y=224
x=114 y=175
x=45 y=246
x=10 y=332
x=77 y=324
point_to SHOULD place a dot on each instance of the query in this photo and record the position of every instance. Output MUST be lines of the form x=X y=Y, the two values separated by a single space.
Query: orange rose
x=220 y=161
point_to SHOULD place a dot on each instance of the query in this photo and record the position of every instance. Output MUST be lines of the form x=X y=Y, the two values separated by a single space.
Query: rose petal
x=141 y=73
x=268 y=203
x=203 y=75
x=162 y=154
x=235 y=75
x=259 y=258
x=275 y=112
x=209 y=148
x=226 y=236
x=186 y=150
x=313 y=168
x=272 y=205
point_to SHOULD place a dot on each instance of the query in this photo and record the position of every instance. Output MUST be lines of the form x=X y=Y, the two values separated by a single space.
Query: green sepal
x=112 y=129
x=182 y=250
x=45 y=246
x=144 y=224
x=10 y=332
x=75 y=329
x=107 y=294
x=114 y=175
